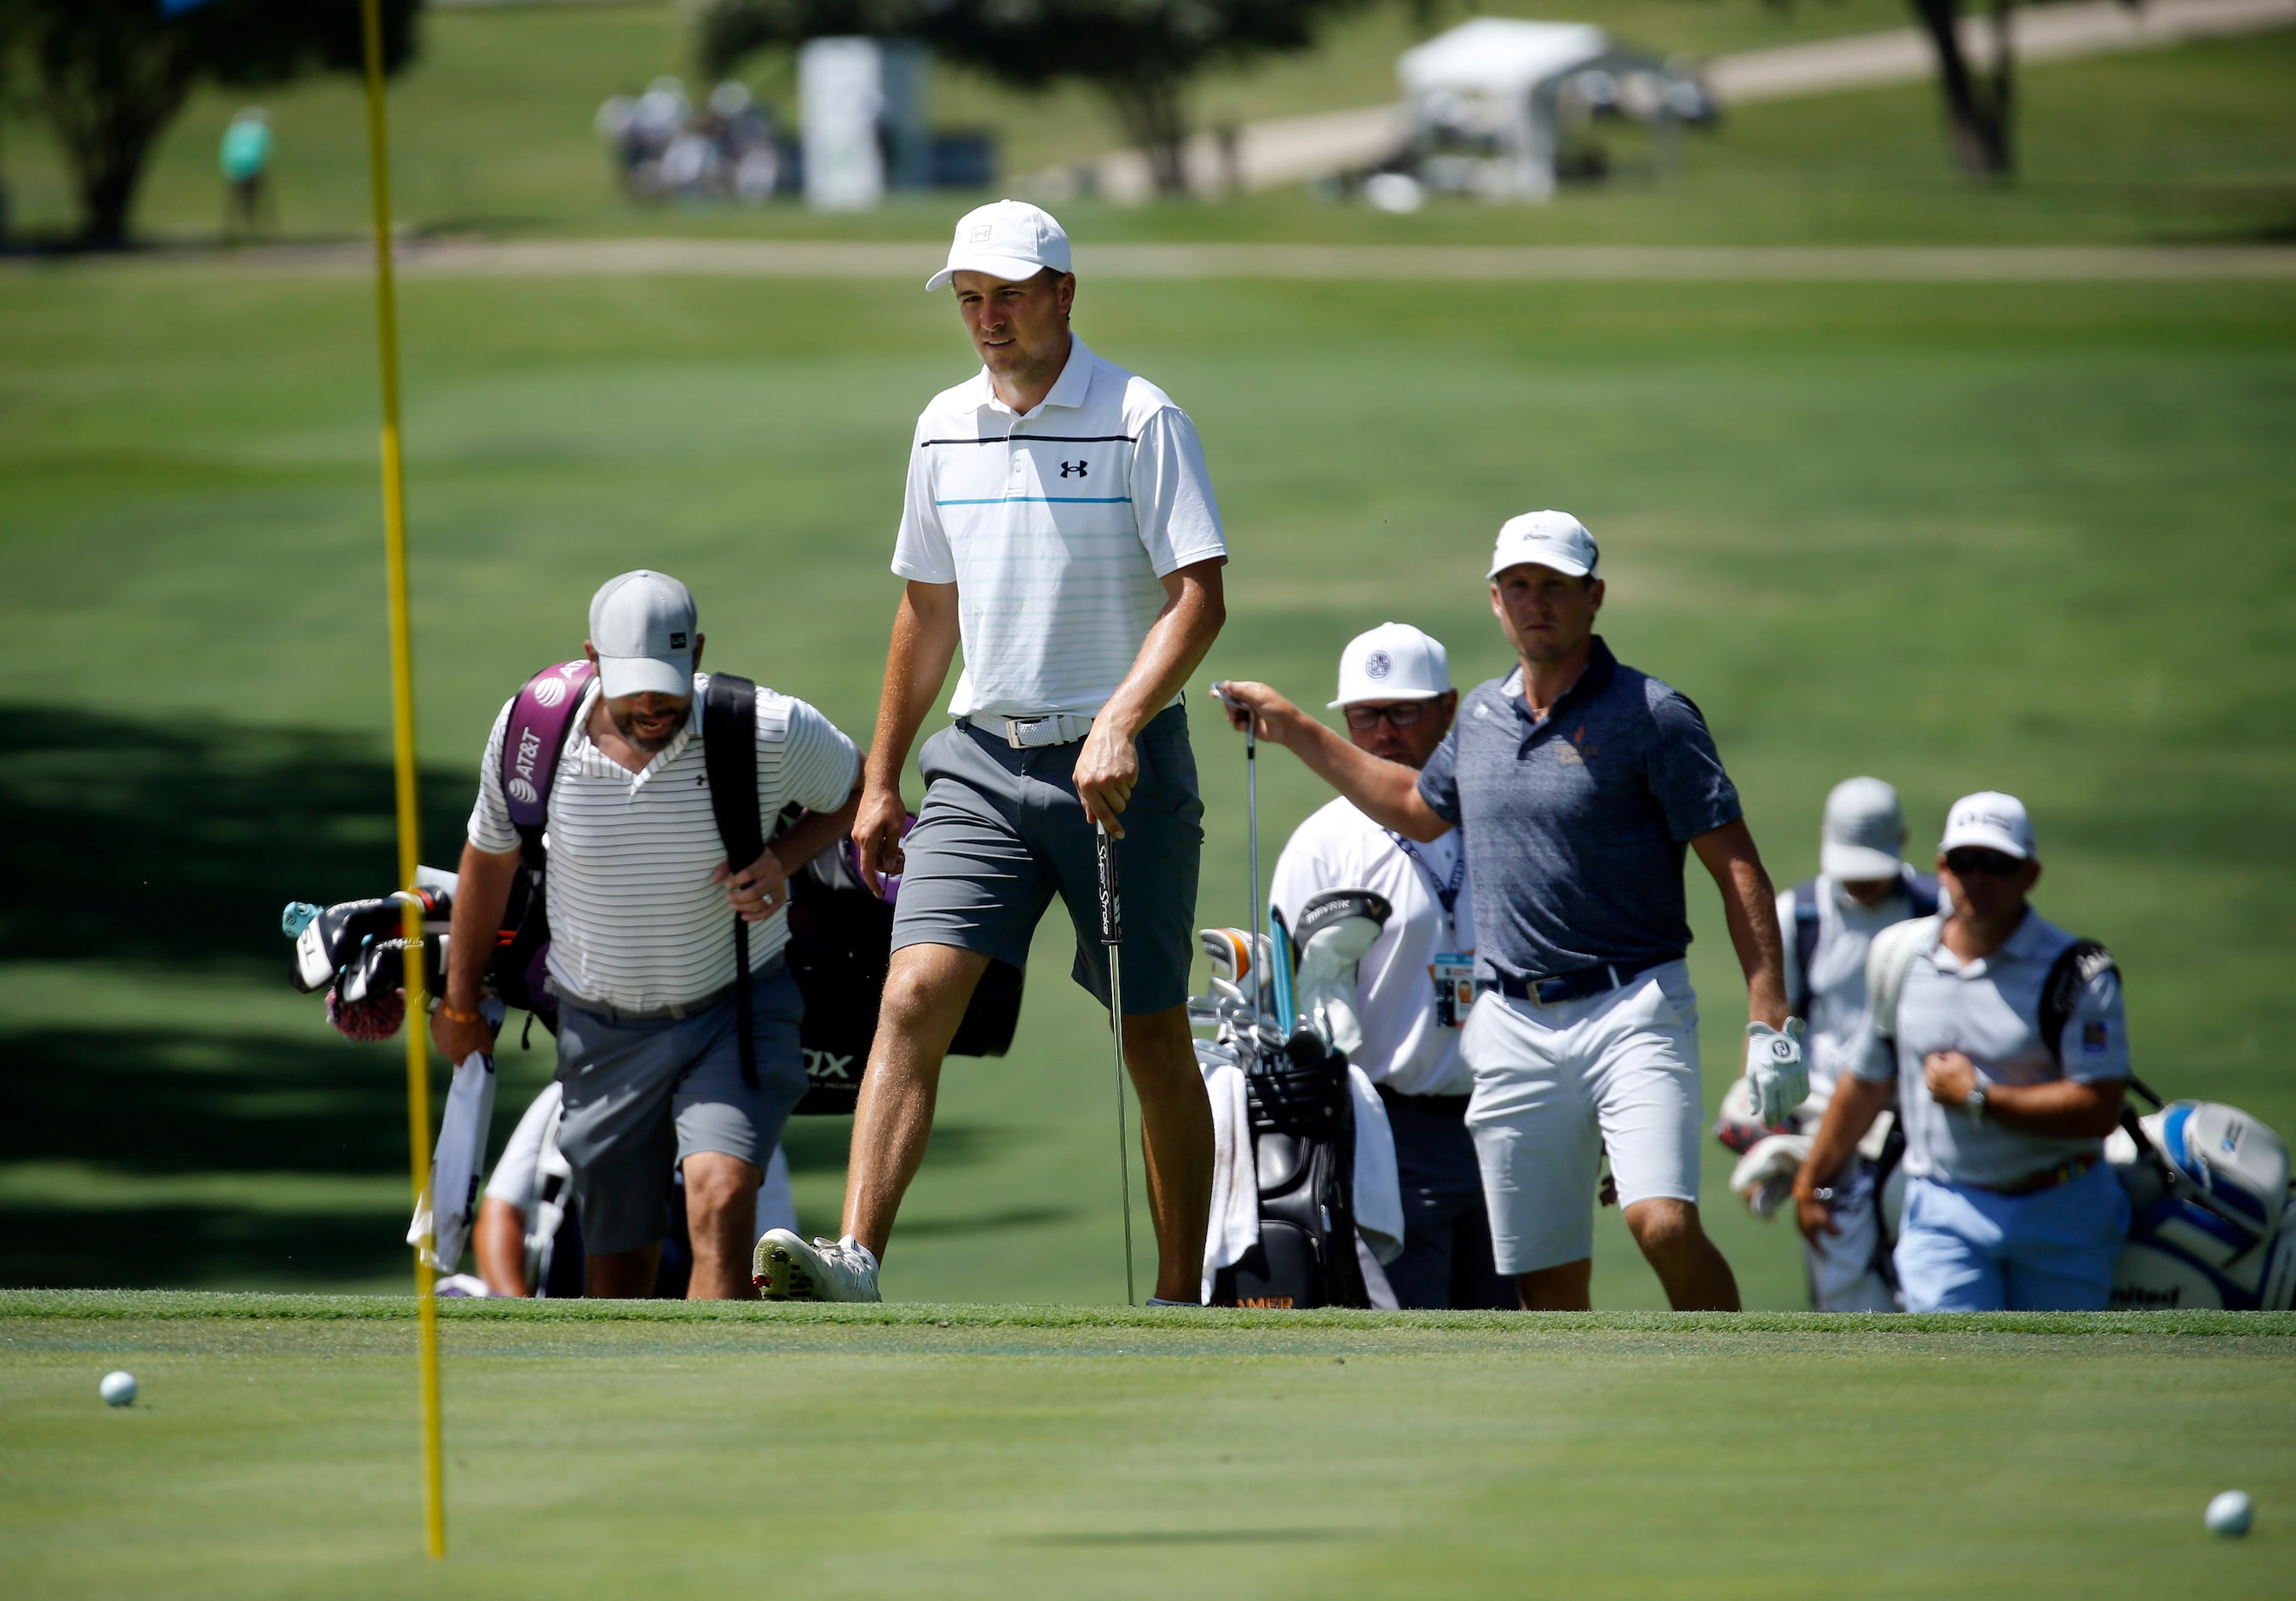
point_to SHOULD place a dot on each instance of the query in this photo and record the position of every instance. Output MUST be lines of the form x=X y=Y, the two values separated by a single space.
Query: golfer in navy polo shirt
x=1580 y=782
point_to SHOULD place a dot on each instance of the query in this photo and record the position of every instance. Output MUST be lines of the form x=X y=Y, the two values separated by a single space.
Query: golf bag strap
x=1922 y=890
x=1893 y=952
x=540 y=717
x=1805 y=940
x=729 y=759
x=2075 y=968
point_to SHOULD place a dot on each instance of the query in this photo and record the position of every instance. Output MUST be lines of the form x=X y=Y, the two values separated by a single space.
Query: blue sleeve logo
x=2092 y=1038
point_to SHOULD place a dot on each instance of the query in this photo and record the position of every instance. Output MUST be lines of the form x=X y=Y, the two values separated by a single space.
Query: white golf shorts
x=1555 y=1085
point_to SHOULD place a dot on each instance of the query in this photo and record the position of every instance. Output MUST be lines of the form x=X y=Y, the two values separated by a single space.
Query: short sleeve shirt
x=1404 y=1046
x=636 y=919
x=1833 y=990
x=1057 y=528
x=1577 y=823
x=1991 y=1011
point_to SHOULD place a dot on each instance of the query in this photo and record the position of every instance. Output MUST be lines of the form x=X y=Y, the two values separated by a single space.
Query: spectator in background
x=245 y=157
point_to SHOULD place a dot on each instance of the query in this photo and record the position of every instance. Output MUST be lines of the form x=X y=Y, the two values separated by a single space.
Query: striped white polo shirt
x=635 y=921
x=1056 y=526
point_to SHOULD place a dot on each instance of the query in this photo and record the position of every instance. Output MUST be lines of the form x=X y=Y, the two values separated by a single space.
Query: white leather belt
x=1034 y=733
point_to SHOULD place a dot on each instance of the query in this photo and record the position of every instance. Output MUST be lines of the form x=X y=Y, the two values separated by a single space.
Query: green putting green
x=966 y=1452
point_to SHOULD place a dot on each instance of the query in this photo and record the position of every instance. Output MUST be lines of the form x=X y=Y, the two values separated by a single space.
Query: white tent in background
x=1486 y=98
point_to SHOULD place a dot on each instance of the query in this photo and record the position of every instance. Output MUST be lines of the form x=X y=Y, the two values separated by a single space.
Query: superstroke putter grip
x=1112 y=903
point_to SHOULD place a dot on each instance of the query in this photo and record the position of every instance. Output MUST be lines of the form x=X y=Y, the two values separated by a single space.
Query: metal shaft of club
x=1123 y=1137
x=1257 y=918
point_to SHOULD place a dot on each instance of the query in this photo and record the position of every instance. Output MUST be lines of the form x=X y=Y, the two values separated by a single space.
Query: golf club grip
x=1111 y=900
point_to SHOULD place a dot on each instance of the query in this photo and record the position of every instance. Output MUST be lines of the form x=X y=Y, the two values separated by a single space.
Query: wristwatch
x=1973 y=1103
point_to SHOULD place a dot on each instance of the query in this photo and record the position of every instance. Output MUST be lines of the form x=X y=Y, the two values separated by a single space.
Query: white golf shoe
x=787 y=1268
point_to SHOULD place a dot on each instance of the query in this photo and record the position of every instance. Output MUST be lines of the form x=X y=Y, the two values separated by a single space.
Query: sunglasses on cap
x=1403 y=714
x=1968 y=860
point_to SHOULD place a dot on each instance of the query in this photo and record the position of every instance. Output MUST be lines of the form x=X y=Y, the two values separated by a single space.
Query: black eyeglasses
x=1972 y=859
x=1403 y=714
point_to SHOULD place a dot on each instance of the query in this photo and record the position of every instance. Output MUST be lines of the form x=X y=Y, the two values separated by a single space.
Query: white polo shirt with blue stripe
x=1057 y=526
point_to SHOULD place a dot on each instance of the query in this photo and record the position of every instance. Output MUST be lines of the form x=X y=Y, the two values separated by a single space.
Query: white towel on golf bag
x=1378 y=1187
x=455 y=1163
x=1234 y=1227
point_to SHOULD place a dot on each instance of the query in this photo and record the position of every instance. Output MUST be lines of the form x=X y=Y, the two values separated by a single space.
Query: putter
x=1111 y=936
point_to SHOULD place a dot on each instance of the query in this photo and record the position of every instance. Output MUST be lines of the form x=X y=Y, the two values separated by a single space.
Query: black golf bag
x=840 y=947
x=1303 y=1146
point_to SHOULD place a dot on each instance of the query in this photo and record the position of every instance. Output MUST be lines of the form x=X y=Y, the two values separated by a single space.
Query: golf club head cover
x=1336 y=927
x=1737 y=1123
x=1775 y=1071
x=330 y=940
x=1765 y=1175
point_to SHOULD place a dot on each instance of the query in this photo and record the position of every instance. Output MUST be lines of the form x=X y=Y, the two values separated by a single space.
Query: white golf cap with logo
x=1991 y=820
x=1394 y=662
x=1554 y=539
x=1005 y=239
x=1864 y=832
x=641 y=625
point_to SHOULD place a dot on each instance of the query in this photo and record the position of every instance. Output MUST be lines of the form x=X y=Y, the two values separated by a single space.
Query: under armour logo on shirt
x=1074 y=469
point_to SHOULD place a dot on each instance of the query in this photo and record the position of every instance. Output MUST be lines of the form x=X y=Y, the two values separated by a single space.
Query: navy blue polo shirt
x=1576 y=824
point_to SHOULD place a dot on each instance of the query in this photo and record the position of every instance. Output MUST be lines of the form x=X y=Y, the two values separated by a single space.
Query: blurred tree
x=1139 y=54
x=110 y=74
x=1979 y=104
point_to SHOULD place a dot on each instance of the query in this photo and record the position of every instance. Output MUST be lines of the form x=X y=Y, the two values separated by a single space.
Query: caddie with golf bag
x=2004 y=1038
x=1398 y=989
x=667 y=916
x=1060 y=528
x=1579 y=785
x=1863 y=886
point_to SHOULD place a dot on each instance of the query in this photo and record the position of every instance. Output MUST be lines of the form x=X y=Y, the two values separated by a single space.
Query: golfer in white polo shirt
x=1060 y=526
x=1396 y=692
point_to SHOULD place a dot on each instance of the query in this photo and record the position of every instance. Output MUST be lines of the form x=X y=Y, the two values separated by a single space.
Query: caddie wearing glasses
x=1395 y=690
x=1578 y=785
x=2004 y=1037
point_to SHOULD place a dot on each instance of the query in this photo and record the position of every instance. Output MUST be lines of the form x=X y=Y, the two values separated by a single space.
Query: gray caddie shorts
x=1002 y=832
x=644 y=1093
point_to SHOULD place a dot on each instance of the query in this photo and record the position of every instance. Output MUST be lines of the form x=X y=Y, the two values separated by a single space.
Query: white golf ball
x=119 y=1390
x=2229 y=1512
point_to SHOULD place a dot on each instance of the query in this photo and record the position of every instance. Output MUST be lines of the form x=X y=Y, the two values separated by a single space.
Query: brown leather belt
x=2048 y=1178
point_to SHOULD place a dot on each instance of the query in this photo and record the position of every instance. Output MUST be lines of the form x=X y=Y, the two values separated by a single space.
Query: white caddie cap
x=1394 y=662
x=1864 y=832
x=641 y=625
x=1554 y=539
x=1990 y=821
x=1006 y=239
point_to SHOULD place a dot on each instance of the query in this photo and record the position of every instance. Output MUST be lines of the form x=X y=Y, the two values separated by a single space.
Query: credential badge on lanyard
x=1453 y=972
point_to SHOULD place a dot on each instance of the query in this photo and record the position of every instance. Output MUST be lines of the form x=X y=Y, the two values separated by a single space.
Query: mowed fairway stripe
x=837 y=258
x=991 y=1453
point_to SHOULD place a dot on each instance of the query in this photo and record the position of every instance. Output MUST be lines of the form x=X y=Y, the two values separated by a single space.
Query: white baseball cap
x=1394 y=662
x=641 y=625
x=1006 y=239
x=1554 y=539
x=1990 y=821
x=1863 y=833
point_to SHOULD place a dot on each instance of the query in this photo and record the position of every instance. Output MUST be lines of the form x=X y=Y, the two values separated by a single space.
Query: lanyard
x=1448 y=894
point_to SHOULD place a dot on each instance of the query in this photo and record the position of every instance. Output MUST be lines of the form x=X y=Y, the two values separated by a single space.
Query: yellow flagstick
x=402 y=741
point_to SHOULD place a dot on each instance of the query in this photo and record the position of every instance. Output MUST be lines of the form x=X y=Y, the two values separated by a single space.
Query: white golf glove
x=1774 y=1071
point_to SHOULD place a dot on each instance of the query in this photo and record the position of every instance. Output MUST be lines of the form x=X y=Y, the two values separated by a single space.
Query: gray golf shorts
x=644 y=1093
x=1002 y=832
